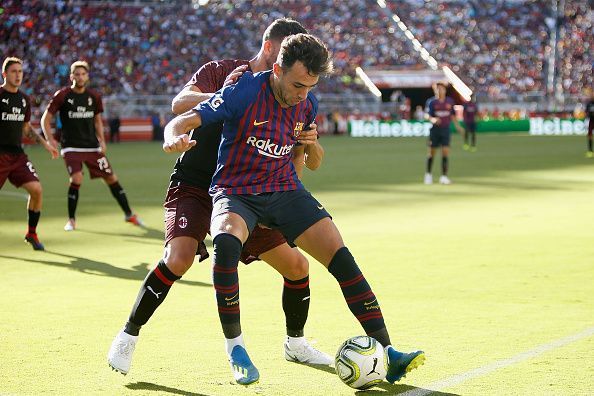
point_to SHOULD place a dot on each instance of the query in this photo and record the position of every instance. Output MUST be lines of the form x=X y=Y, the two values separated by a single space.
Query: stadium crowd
x=498 y=47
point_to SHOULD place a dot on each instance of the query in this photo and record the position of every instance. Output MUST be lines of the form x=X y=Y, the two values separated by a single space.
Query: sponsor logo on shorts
x=182 y=222
x=268 y=148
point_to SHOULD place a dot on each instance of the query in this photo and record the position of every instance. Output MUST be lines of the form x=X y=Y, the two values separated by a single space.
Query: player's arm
x=313 y=151
x=456 y=122
x=176 y=131
x=99 y=132
x=30 y=133
x=46 y=128
x=430 y=114
x=188 y=98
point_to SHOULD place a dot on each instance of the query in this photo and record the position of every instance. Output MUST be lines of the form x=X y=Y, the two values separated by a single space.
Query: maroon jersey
x=197 y=165
x=15 y=110
x=470 y=110
x=77 y=113
x=443 y=109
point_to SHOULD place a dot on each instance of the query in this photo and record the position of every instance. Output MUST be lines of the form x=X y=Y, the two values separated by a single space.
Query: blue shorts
x=290 y=212
x=439 y=137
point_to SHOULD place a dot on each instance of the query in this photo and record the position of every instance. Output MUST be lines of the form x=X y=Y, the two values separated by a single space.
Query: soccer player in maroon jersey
x=470 y=111
x=15 y=112
x=82 y=140
x=440 y=112
x=590 y=115
x=188 y=209
x=256 y=182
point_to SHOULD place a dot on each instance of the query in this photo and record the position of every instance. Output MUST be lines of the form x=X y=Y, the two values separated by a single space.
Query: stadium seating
x=498 y=47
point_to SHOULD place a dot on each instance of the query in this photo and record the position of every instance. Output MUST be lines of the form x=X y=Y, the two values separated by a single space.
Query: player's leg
x=33 y=213
x=432 y=144
x=231 y=223
x=473 y=137
x=187 y=219
x=357 y=292
x=467 y=134
x=308 y=224
x=74 y=167
x=294 y=268
x=445 y=155
x=590 y=153
x=23 y=174
x=99 y=166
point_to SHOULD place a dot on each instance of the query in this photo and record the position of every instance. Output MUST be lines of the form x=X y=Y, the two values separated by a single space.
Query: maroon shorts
x=187 y=213
x=17 y=169
x=96 y=163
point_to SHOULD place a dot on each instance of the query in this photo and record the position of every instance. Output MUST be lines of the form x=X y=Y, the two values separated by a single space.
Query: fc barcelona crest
x=298 y=129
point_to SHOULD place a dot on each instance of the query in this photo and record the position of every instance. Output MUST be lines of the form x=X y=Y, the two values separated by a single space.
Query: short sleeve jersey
x=77 y=113
x=255 y=154
x=470 y=110
x=15 y=110
x=442 y=109
x=197 y=165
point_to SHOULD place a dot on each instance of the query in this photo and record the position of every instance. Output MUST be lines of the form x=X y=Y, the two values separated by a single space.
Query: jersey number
x=32 y=169
x=103 y=164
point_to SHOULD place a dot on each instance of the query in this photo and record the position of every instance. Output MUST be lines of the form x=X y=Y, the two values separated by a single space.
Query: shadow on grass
x=161 y=389
x=98 y=268
x=386 y=388
x=148 y=233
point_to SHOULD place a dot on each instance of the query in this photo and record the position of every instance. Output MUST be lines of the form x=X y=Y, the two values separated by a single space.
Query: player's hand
x=235 y=75
x=436 y=121
x=103 y=146
x=179 y=144
x=52 y=150
x=309 y=136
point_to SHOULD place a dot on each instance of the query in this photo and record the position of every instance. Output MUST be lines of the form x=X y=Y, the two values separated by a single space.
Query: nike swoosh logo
x=231 y=298
x=369 y=303
x=320 y=207
x=258 y=123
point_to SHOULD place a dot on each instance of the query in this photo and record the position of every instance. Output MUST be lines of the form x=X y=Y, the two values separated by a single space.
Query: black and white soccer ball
x=361 y=362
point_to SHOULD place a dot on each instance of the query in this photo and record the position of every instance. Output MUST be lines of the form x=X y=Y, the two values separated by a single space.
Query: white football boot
x=70 y=225
x=120 y=353
x=443 y=179
x=428 y=178
x=297 y=349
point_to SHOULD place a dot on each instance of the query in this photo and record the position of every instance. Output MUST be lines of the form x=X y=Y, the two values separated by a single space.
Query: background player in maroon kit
x=470 y=111
x=15 y=112
x=440 y=112
x=83 y=140
x=188 y=209
x=590 y=115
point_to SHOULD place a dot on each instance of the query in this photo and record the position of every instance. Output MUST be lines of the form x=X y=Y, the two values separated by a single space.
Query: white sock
x=230 y=343
x=295 y=342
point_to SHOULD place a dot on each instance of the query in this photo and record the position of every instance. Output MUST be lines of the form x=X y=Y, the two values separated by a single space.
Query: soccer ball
x=361 y=362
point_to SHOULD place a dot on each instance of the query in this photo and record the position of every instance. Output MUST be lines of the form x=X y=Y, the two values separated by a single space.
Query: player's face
x=271 y=53
x=294 y=83
x=13 y=76
x=80 y=77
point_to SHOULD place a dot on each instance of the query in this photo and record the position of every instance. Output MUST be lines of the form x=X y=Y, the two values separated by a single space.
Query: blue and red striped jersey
x=442 y=109
x=255 y=153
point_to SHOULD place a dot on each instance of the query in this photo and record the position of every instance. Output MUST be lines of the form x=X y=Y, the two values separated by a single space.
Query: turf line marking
x=14 y=194
x=499 y=364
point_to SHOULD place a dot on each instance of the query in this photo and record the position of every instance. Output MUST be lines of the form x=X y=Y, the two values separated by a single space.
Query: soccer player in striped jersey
x=440 y=112
x=15 y=112
x=256 y=182
x=470 y=111
x=188 y=209
x=82 y=140
x=590 y=115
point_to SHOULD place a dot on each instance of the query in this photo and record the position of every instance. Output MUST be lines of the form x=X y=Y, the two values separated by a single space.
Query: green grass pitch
x=497 y=264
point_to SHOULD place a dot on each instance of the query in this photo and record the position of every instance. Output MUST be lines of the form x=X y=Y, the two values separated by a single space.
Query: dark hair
x=307 y=49
x=281 y=28
x=79 y=63
x=10 y=61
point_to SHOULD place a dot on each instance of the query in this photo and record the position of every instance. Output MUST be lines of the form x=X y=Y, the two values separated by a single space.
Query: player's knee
x=299 y=268
x=179 y=261
x=35 y=190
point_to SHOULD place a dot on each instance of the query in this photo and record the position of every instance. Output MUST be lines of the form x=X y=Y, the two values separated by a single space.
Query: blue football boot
x=399 y=363
x=244 y=371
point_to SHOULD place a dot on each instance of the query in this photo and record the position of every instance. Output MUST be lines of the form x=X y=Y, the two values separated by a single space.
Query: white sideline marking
x=499 y=364
x=15 y=194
